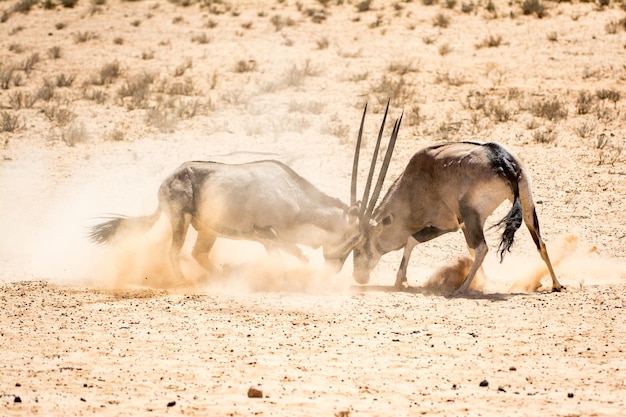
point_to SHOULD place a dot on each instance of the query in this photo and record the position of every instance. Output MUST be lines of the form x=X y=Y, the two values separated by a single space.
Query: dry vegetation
x=151 y=82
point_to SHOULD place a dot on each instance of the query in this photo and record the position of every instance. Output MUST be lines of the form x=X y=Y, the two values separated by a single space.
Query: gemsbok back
x=263 y=201
x=444 y=188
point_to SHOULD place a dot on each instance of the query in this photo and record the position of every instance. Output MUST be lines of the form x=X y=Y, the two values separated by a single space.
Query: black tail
x=511 y=222
x=104 y=232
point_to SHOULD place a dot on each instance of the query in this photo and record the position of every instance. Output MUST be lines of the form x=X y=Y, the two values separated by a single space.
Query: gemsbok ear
x=353 y=211
x=388 y=219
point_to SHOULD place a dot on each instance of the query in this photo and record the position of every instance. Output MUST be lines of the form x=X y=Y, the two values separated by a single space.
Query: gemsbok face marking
x=263 y=201
x=444 y=188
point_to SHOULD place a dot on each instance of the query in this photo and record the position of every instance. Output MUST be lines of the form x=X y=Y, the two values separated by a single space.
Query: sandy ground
x=96 y=330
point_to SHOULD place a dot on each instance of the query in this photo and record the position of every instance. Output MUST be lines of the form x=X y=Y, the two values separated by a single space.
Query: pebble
x=255 y=391
x=171 y=404
x=17 y=399
x=484 y=383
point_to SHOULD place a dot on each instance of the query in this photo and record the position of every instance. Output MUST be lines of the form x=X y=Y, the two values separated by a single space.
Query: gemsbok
x=444 y=188
x=263 y=201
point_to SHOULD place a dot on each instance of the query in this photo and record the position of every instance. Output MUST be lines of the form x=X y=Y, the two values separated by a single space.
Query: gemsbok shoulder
x=444 y=188
x=263 y=201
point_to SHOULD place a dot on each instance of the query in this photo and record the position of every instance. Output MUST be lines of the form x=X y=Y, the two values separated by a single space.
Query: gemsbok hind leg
x=533 y=227
x=200 y=252
x=180 y=224
x=475 y=238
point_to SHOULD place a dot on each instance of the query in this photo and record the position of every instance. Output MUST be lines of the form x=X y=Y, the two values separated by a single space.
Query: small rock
x=570 y=395
x=484 y=383
x=255 y=391
x=512 y=368
x=171 y=404
x=17 y=399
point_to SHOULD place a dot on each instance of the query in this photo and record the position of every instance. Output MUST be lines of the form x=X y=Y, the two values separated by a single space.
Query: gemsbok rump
x=264 y=201
x=444 y=188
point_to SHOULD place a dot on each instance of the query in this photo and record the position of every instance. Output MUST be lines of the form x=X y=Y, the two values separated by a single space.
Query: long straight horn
x=368 y=184
x=383 y=169
x=355 y=163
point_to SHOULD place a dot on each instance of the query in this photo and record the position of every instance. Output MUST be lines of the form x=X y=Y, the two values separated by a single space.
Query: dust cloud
x=141 y=258
x=575 y=264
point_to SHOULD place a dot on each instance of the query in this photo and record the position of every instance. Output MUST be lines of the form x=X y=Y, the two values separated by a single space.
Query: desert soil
x=100 y=101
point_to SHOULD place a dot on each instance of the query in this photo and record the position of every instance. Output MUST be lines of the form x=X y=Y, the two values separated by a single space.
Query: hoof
x=559 y=289
x=402 y=285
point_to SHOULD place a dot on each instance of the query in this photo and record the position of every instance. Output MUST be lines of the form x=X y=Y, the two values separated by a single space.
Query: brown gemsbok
x=264 y=201
x=444 y=188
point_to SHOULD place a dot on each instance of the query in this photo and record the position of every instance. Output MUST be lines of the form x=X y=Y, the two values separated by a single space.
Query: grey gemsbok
x=264 y=201
x=444 y=188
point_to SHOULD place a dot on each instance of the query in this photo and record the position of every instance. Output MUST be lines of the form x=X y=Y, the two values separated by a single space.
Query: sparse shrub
x=584 y=102
x=63 y=80
x=54 y=52
x=108 y=73
x=394 y=88
x=81 y=37
x=59 y=115
x=162 y=117
x=441 y=20
x=245 y=66
x=552 y=109
x=585 y=129
x=491 y=41
x=16 y=48
x=313 y=107
x=545 y=135
x=10 y=122
x=429 y=2
x=59 y=26
x=535 y=7
x=364 y=6
x=553 y=36
x=118 y=40
x=75 y=134
x=29 y=63
x=279 y=22
x=182 y=68
x=454 y=80
x=21 y=100
x=444 y=49
x=475 y=101
x=611 y=27
x=402 y=68
x=608 y=94
x=137 y=89
x=24 y=6
x=450 y=4
x=69 y=3
x=201 y=38
x=498 y=112
x=467 y=7
x=94 y=94
x=6 y=75
x=322 y=43
x=46 y=91
x=296 y=75
x=147 y=54
x=116 y=135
